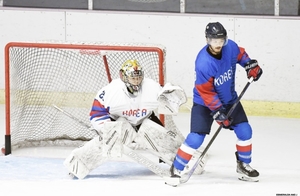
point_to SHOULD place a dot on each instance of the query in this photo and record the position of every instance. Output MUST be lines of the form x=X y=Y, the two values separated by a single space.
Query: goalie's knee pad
x=115 y=135
x=112 y=139
x=128 y=132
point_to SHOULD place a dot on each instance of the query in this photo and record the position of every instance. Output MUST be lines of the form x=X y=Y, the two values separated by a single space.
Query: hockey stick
x=127 y=151
x=199 y=160
x=74 y=118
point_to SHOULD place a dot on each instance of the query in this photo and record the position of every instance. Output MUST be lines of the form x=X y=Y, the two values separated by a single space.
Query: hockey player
x=123 y=113
x=214 y=94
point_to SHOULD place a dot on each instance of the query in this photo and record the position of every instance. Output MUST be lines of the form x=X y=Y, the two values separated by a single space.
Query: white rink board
x=274 y=44
x=271 y=40
x=30 y=25
x=182 y=35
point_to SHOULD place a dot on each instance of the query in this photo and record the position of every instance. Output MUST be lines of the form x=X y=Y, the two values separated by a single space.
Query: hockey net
x=68 y=75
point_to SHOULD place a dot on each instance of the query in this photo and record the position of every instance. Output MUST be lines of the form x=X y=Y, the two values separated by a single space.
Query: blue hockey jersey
x=215 y=79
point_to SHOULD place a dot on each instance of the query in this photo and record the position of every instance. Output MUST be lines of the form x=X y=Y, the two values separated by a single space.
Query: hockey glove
x=221 y=118
x=253 y=70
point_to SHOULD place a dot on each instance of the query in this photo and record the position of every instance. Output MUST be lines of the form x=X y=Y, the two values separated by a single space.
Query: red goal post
x=38 y=75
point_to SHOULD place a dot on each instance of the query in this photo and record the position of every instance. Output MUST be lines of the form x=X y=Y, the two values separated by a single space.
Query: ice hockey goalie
x=124 y=113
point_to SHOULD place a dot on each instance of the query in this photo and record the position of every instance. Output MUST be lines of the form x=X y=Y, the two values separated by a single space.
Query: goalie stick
x=177 y=181
x=155 y=168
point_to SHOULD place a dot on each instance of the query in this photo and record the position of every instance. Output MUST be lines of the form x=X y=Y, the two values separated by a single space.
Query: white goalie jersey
x=115 y=101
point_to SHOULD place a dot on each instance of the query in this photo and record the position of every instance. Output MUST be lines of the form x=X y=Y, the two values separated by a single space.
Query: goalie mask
x=132 y=74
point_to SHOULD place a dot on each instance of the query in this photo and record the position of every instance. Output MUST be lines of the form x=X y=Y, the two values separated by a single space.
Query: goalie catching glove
x=170 y=98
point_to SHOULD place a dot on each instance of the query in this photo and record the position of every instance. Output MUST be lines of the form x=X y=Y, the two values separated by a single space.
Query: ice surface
x=276 y=155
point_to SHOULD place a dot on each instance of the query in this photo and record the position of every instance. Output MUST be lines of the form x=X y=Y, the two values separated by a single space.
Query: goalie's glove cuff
x=221 y=118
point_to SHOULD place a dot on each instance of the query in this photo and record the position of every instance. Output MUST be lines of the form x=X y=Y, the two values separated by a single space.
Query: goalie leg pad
x=84 y=159
x=112 y=139
x=157 y=138
x=115 y=134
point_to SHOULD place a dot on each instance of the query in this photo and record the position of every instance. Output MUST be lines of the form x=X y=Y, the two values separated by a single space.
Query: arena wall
x=272 y=40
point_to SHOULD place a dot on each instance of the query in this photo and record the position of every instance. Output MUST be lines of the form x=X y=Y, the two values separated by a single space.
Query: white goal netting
x=68 y=75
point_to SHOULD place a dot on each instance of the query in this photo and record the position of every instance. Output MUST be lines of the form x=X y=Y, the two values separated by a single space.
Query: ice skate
x=174 y=179
x=175 y=173
x=246 y=172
